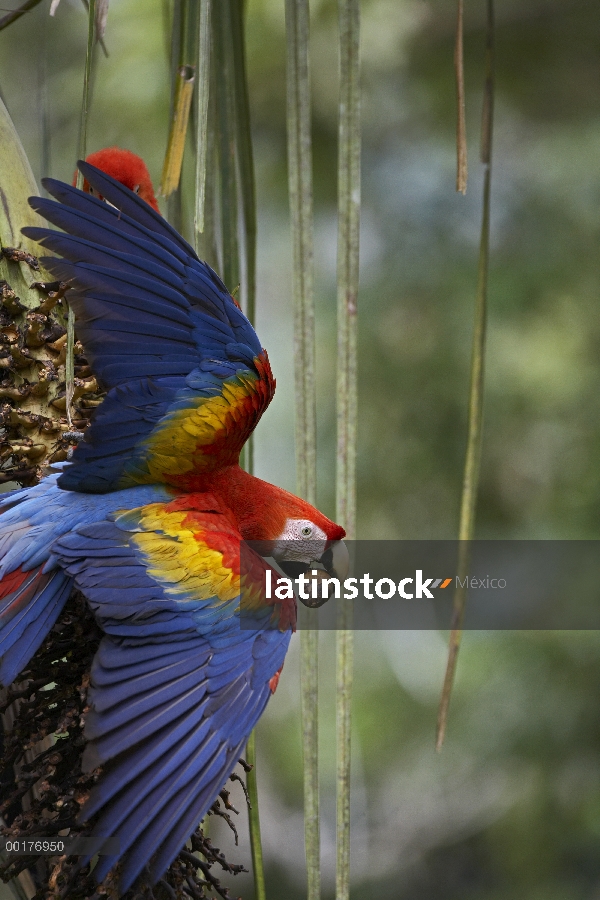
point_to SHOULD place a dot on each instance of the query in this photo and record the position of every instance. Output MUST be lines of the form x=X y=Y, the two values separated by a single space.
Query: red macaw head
x=286 y=527
x=126 y=167
x=307 y=536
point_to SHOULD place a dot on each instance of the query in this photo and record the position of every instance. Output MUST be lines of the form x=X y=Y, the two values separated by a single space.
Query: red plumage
x=260 y=509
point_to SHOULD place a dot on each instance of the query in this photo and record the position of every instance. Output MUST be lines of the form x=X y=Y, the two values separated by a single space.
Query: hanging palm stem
x=244 y=158
x=348 y=247
x=247 y=188
x=466 y=529
x=87 y=80
x=209 y=240
x=177 y=19
x=230 y=165
x=461 y=128
x=224 y=85
x=301 y=209
x=15 y=14
x=254 y=820
x=42 y=92
x=83 y=127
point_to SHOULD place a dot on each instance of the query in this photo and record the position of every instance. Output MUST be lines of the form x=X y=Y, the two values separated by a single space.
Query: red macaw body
x=147 y=521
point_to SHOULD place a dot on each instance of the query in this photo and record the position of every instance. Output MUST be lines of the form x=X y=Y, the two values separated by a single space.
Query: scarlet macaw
x=147 y=520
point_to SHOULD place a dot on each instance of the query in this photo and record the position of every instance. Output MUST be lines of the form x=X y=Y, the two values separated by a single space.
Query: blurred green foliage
x=511 y=808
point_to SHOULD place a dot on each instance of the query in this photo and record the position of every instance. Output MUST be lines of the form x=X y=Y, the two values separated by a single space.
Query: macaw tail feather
x=30 y=603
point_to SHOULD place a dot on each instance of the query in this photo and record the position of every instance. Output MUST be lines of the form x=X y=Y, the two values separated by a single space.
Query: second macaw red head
x=126 y=167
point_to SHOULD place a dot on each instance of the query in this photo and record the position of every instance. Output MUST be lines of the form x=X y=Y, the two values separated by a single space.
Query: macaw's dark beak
x=336 y=560
x=335 y=563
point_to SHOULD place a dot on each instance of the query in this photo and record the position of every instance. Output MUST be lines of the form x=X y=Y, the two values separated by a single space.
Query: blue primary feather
x=131 y=205
x=21 y=616
x=146 y=754
x=79 y=250
x=143 y=802
x=80 y=201
x=138 y=212
x=167 y=849
x=137 y=241
x=166 y=830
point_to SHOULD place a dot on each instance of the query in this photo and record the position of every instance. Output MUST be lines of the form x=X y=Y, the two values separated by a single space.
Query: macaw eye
x=306 y=531
x=136 y=189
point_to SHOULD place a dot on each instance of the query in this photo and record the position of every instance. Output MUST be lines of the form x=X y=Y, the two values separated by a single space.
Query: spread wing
x=186 y=376
x=177 y=684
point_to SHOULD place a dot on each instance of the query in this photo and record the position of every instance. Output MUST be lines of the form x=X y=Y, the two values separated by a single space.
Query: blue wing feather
x=158 y=325
x=136 y=241
x=166 y=829
x=146 y=754
x=142 y=803
x=168 y=720
x=131 y=205
x=135 y=221
x=78 y=250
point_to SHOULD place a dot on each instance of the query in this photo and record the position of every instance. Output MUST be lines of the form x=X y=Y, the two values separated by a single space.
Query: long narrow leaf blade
x=202 y=94
x=466 y=530
x=15 y=14
x=184 y=90
x=235 y=166
x=244 y=157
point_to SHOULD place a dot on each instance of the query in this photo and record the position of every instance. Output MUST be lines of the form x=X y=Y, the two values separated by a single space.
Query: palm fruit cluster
x=35 y=429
